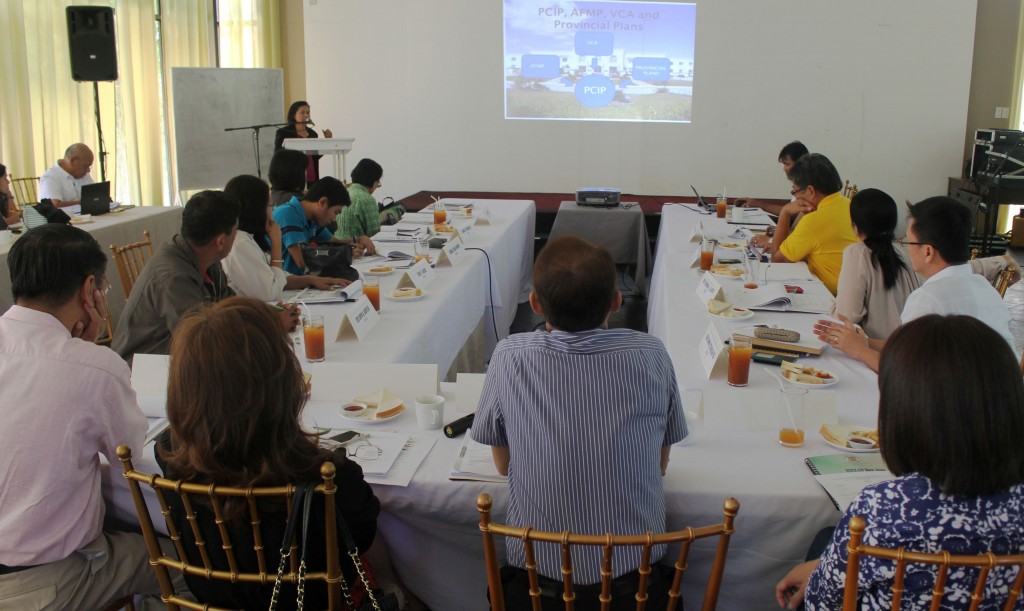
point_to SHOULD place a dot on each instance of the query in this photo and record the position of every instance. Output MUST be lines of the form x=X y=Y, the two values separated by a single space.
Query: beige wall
x=995 y=59
x=293 y=51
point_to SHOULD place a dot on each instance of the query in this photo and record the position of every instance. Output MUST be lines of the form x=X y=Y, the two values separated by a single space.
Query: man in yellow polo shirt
x=825 y=229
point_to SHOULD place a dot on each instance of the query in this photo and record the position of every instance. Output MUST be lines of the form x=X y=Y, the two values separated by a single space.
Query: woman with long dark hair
x=299 y=126
x=255 y=264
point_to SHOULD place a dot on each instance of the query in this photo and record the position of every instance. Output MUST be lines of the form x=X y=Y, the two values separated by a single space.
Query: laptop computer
x=700 y=200
x=96 y=198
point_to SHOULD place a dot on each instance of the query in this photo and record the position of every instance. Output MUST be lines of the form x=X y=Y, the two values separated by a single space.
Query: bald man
x=62 y=184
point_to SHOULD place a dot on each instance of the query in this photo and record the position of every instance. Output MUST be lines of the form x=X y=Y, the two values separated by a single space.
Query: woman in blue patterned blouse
x=951 y=422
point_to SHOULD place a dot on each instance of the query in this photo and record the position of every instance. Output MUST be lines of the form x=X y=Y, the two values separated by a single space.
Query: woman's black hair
x=294 y=108
x=875 y=215
x=951 y=405
x=253 y=195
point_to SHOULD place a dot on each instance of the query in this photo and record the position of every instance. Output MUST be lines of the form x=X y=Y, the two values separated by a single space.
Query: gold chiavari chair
x=214 y=496
x=130 y=260
x=984 y=564
x=26 y=190
x=608 y=541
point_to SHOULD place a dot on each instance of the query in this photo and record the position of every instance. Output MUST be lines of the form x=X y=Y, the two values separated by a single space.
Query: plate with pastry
x=724 y=309
x=380 y=270
x=854 y=438
x=381 y=405
x=406 y=294
x=81 y=219
x=807 y=377
x=445 y=228
x=727 y=270
x=731 y=245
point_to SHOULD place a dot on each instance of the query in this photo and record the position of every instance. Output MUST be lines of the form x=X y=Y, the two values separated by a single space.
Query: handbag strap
x=353 y=553
x=307 y=503
x=286 y=542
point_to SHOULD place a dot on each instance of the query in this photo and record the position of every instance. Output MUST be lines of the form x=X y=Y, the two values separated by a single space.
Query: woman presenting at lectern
x=299 y=127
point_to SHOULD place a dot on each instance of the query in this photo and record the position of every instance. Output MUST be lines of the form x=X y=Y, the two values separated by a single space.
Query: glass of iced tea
x=707 y=254
x=422 y=250
x=371 y=288
x=740 y=352
x=721 y=203
x=313 y=337
x=440 y=214
x=790 y=415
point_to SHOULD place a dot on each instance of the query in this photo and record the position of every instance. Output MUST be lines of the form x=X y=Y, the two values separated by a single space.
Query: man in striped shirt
x=581 y=419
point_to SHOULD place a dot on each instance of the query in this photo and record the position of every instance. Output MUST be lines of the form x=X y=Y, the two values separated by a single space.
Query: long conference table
x=431 y=526
x=120 y=228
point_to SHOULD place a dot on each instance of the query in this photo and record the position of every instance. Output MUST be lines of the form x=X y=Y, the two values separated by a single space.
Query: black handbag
x=375 y=600
x=331 y=260
x=52 y=213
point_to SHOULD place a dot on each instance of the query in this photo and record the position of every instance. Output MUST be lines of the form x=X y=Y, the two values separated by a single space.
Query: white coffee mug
x=430 y=411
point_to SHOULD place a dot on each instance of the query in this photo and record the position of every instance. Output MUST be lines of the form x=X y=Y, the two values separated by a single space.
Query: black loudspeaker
x=92 y=43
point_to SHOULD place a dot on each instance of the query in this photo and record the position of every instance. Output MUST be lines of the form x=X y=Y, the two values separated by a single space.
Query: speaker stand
x=256 y=140
x=99 y=132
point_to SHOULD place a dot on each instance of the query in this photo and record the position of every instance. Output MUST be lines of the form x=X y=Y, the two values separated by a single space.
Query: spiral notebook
x=843 y=476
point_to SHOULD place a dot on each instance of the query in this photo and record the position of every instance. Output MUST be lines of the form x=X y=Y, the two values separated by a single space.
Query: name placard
x=451 y=253
x=358 y=321
x=462 y=229
x=709 y=288
x=483 y=215
x=710 y=348
x=418 y=276
x=695 y=261
x=697 y=233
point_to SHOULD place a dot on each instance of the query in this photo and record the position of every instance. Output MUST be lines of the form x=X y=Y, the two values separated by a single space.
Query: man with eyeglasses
x=62 y=184
x=938 y=245
x=825 y=229
x=67 y=401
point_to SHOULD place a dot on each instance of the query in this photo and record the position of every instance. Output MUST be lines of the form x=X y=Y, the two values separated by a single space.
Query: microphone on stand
x=309 y=122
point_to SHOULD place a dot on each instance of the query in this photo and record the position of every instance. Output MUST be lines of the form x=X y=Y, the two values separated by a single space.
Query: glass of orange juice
x=721 y=204
x=740 y=352
x=371 y=288
x=422 y=250
x=440 y=214
x=790 y=414
x=313 y=337
x=707 y=254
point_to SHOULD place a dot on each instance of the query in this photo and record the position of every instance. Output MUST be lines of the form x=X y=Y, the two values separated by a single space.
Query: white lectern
x=337 y=148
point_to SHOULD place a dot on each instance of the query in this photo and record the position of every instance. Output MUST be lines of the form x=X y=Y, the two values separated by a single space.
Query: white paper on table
x=340 y=382
x=149 y=380
x=844 y=488
x=390 y=444
x=468 y=388
x=475 y=463
x=747 y=409
x=407 y=463
x=156 y=426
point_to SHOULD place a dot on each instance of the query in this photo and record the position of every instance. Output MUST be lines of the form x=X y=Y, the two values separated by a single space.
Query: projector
x=599 y=197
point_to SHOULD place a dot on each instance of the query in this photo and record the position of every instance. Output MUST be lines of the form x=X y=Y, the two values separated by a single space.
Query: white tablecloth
x=782 y=506
x=116 y=228
x=435 y=329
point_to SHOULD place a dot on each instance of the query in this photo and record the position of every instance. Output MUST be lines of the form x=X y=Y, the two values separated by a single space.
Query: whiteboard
x=207 y=100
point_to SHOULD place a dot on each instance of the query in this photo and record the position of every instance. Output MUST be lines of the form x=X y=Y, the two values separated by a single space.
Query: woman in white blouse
x=876 y=276
x=254 y=264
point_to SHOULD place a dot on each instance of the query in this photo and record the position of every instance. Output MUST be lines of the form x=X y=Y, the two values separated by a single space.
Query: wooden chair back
x=130 y=260
x=608 y=541
x=985 y=563
x=26 y=190
x=216 y=496
x=1004 y=279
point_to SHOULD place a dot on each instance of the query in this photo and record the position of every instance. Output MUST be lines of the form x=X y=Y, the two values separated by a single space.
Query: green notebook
x=843 y=476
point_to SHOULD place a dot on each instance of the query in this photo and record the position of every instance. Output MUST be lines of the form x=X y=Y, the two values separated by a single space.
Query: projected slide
x=599 y=61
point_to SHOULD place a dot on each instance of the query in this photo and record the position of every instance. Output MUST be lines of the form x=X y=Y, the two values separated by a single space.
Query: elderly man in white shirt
x=62 y=184
x=938 y=245
x=66 y=402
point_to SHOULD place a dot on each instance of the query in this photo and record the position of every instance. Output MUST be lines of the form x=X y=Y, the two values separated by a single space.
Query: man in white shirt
x=65 y=402
x=62 y=184
x=938 y=244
